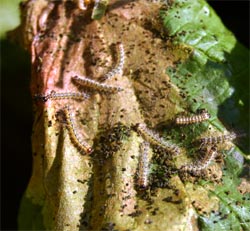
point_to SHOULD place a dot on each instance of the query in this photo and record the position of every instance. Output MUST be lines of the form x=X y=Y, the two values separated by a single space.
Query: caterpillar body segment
x=184 y=120
x=202 y=164
x=97 y=86
x=143 y=168
x=118 y=69
x=219 y=139
x=153 y=138
x=81 y=145
x=60 y=96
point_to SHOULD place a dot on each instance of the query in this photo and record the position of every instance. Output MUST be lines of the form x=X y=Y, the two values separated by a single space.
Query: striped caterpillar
x=153 y=138
x=219 y=139
x=102 y=87
x=143 y=169
x=81 y=145
x=118 y=69
x=63 y=95
x=204 y=115
x=200 y=165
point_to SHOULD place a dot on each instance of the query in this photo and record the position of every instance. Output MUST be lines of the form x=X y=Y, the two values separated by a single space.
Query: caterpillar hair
x=83 y=146
x=143 y=168
x=62 y=95
x=118 y=69
x=182 y=120
x=220 y=139
x=153 y=138
x=40 y=97
x=92 y=84
x=202 y=164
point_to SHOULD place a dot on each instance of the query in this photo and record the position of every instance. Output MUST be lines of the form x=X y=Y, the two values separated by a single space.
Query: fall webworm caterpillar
x=153 y=138
x=143 y=168
x=204 y=115
x=219 y=139
x=202 y=164
x=63 y=95
x=81 y=145
x=118 y=69
x=102 y=87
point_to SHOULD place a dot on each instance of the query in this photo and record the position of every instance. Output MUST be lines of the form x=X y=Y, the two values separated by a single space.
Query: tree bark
x=70 y=190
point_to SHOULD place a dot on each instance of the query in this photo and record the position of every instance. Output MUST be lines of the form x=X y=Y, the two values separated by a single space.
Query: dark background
x=16 y=111
x=235 y=16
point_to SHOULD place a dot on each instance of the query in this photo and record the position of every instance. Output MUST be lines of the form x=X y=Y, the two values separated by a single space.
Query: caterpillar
x=204 y=115
x=40 y=97
x=102 y=87
x=118 y=69
x=200 y=165
x=63 y=95
x=219 y=139
x=81 y=145
x=143 y=168
x=153 y=138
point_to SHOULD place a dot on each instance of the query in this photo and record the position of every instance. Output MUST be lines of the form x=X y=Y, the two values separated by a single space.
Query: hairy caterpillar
x=63 y=95
x=219 y=139
x=118 y=69
x=204 y=115
x=153 y=138
x=102 y=87
x=143 y=168
x=202 y=164
x=81 y=145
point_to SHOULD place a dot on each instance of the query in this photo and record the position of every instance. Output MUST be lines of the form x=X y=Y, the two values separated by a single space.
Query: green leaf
x=9 y=16
x=214 y=77
x=99 y=9
x=234 y=207
x=30 y=215
x=195 y=24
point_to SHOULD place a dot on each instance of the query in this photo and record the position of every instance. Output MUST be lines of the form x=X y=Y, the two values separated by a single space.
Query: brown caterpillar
x=102 y=87
x=204 y=115
x=219 y=139
x=81 y=145
x=143 y=168
x=202 y=164
x=63 y=95
x=118 y=69
x=153 y=138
